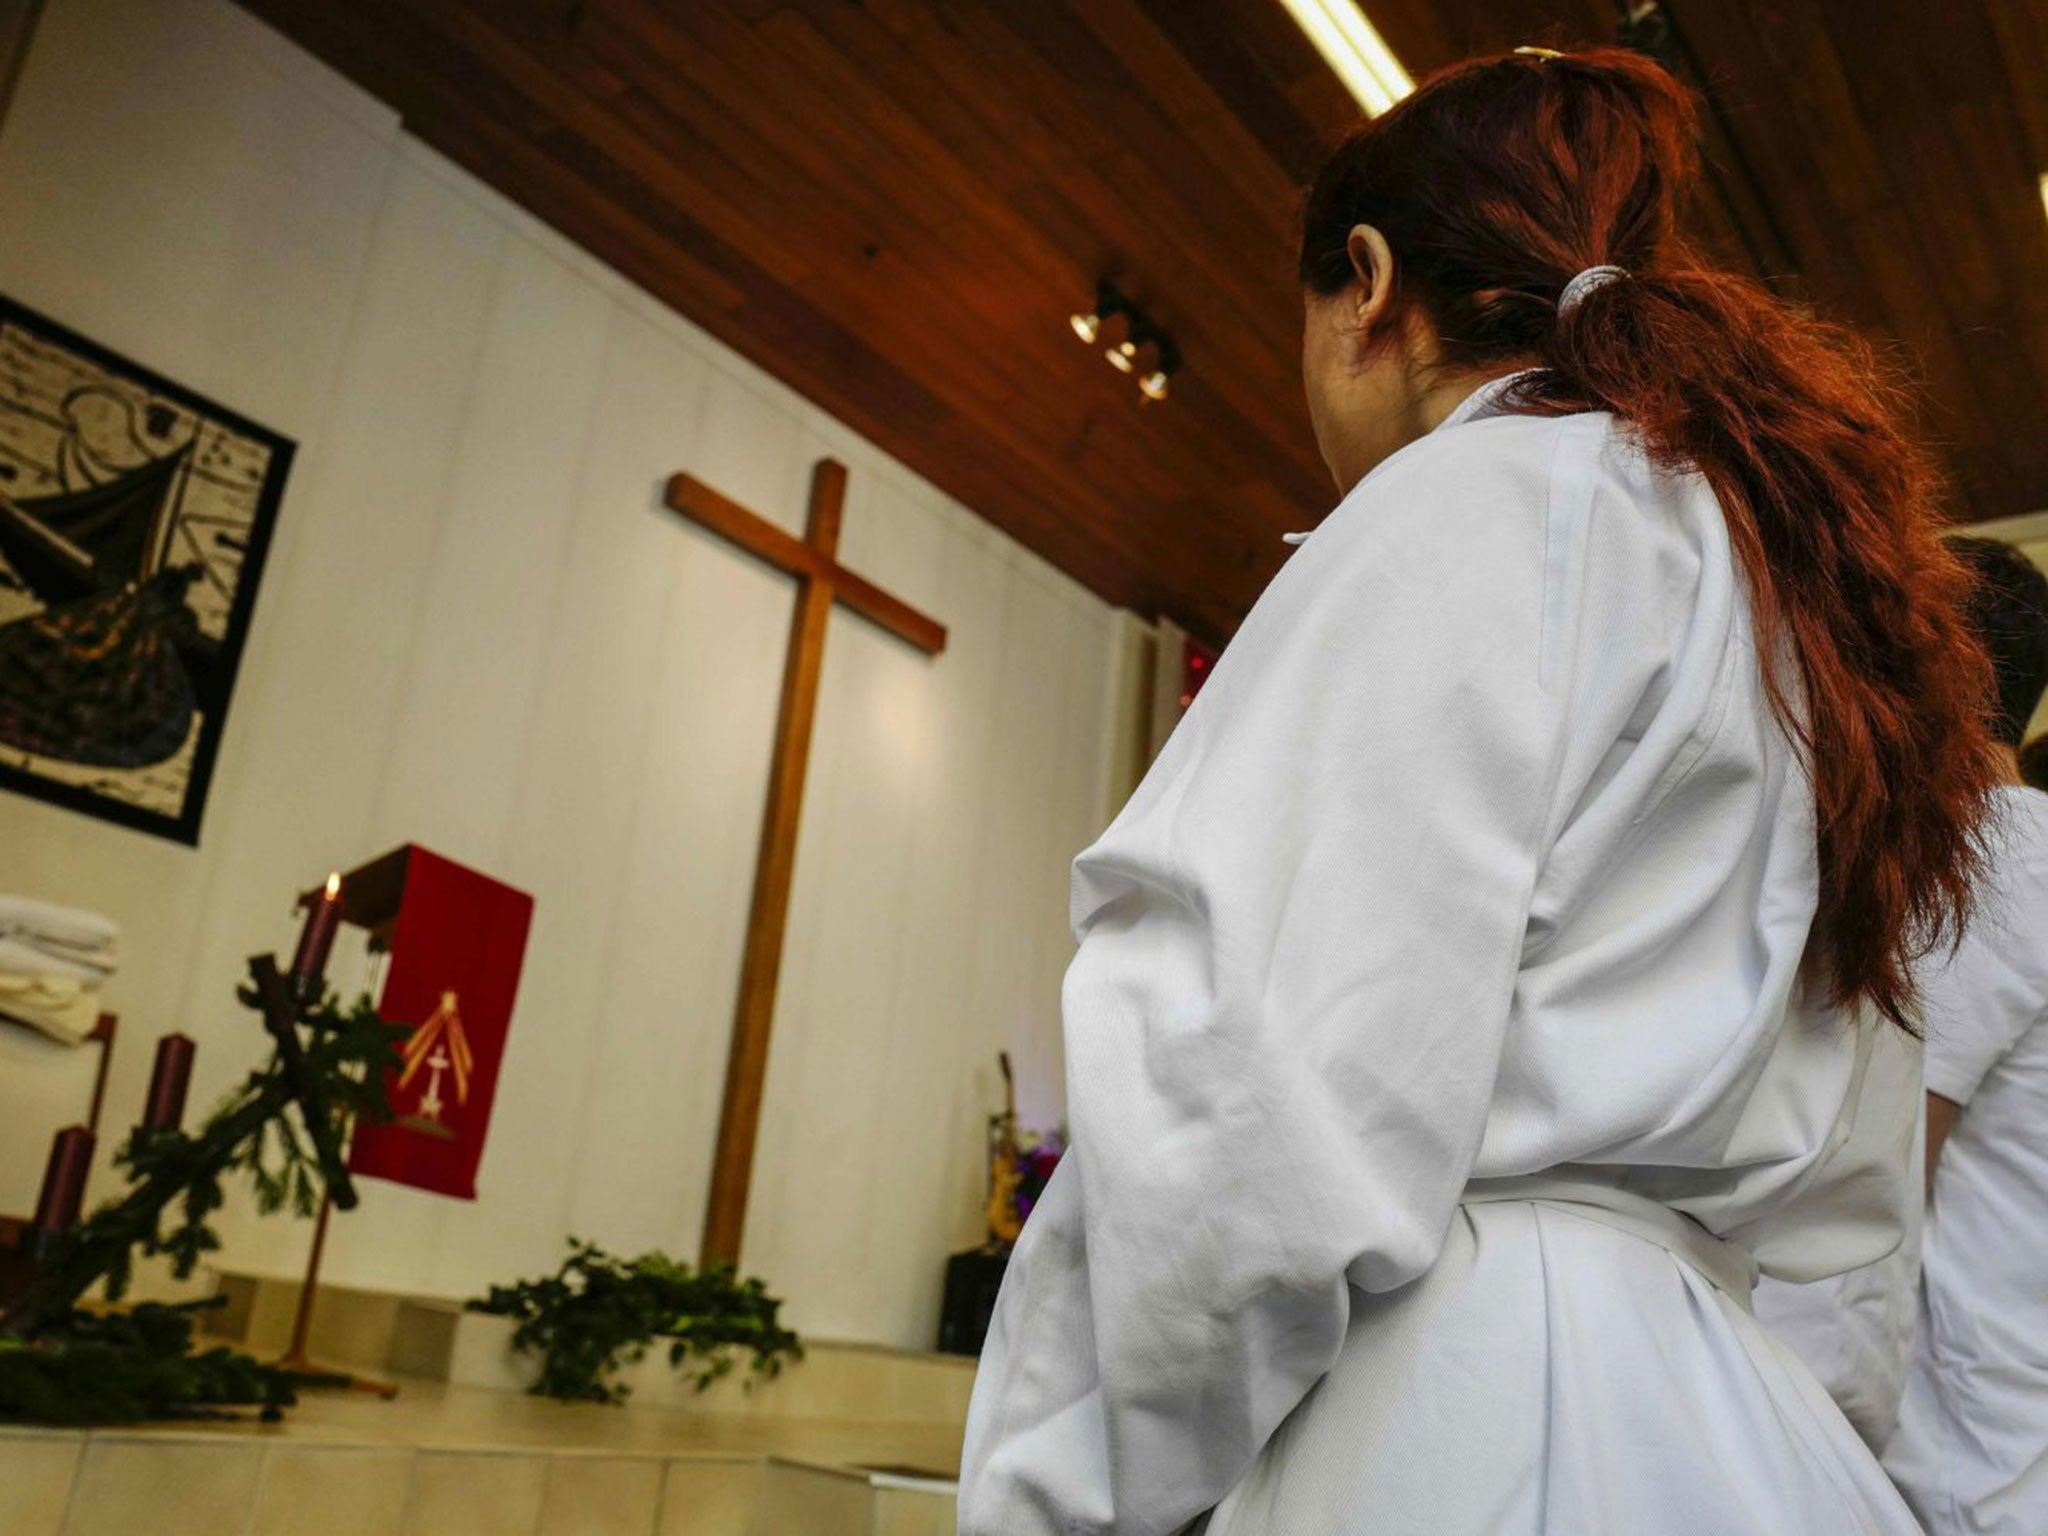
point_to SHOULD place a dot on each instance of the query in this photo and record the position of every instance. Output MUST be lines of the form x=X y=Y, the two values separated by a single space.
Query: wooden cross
x=821 y=582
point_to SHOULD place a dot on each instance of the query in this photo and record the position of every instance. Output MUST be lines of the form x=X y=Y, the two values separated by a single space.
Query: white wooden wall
x=480 y=631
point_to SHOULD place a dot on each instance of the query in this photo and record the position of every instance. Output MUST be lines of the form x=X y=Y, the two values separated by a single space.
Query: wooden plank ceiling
x=894 y=205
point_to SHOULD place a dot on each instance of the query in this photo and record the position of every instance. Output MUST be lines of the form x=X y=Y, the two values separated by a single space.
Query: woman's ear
x=1372 y=260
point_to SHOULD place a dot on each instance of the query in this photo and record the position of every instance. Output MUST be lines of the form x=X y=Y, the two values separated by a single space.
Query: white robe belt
x=1729 y=1267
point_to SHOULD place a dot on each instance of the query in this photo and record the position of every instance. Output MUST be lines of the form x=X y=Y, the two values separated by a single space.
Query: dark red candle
x=168 y=1080
x=316 y=939
x=64 y=1180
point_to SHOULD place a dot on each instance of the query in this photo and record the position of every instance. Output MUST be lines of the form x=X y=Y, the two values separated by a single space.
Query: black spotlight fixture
x=1140 y=332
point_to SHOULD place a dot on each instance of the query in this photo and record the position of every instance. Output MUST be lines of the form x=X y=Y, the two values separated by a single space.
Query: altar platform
x=853 y=1441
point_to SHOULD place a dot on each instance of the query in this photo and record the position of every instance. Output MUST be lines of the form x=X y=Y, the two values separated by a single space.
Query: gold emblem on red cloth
x=439 y=1045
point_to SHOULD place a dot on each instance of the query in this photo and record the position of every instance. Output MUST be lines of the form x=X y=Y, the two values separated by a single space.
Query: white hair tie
x=1585 y=283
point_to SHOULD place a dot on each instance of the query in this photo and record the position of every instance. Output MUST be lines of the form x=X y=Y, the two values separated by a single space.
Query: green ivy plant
x=597 y=1314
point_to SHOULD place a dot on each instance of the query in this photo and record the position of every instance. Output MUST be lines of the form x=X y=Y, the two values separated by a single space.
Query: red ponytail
x=1495 y=184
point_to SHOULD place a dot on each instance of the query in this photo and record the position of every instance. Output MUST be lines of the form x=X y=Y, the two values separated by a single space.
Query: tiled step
x=434 y=1339
x=851 y=1441
x=259 y=1483
x=363 y=1330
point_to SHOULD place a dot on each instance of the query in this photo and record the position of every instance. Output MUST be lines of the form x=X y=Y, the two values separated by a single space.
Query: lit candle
x=316 y=939
x=165 y=1107
x=64 y=1180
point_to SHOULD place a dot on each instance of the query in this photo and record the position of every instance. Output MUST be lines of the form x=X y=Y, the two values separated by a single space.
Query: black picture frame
x=101 y=539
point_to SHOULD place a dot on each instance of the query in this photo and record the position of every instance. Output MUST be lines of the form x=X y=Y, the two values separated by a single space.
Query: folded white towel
x=63 y=1007
x=68 y=932
x=27 y=959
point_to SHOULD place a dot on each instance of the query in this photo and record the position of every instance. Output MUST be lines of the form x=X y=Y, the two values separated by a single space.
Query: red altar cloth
x=456 y=950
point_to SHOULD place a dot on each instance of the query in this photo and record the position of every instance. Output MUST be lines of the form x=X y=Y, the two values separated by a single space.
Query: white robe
x=1855 y=1331
x=1479 y=856
x=1971 y=1450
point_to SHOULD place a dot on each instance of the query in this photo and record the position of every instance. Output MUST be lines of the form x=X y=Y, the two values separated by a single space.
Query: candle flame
x=333 y=886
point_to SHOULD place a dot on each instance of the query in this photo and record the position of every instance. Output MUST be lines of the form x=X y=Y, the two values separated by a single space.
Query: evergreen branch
x=598 y=1314
x=350 y=1050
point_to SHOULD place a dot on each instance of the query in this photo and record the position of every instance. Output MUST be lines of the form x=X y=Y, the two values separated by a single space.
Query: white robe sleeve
x=1980 y=1000
x=1299 y=945
x=1854 y=1331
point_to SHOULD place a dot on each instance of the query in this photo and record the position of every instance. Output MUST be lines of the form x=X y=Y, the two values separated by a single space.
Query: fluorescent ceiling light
x=1350 y=46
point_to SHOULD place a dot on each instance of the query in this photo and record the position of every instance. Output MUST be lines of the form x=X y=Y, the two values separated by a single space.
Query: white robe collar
x=1487 y=400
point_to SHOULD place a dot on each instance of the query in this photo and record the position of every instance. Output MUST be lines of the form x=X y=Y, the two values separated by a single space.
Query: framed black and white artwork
x=134 y=520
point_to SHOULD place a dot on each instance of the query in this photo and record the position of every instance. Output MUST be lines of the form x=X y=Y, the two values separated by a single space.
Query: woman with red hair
x=1510 y=955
